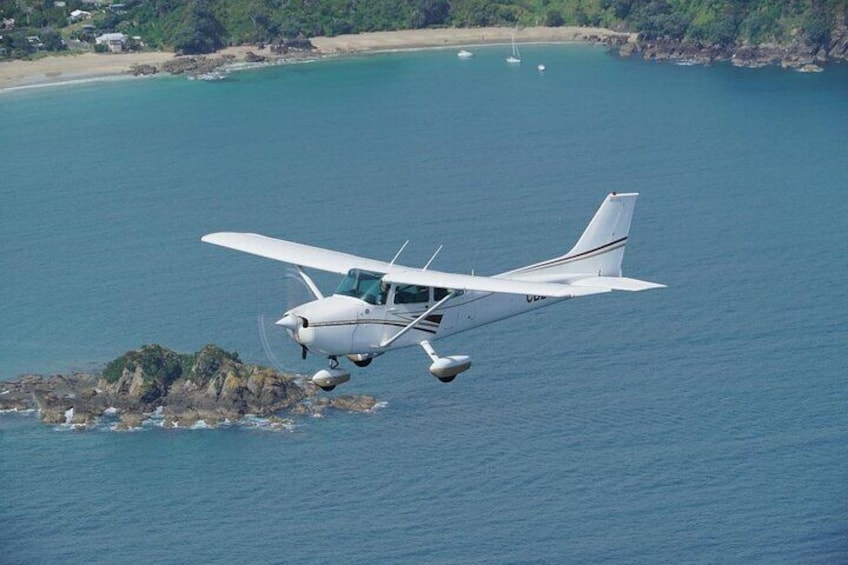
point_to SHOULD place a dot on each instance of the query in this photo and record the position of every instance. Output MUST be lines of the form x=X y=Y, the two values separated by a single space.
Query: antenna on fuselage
x=433 y=257
x=402 y=247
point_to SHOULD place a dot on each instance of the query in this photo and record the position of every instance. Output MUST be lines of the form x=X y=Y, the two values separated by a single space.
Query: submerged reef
x=206 y=388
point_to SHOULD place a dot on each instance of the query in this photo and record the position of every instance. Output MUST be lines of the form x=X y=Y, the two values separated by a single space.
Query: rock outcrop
x=211 y=386
x=251 y=57
x=297 y=44
x=196 y=65
x=796 y=54
x=143 y=70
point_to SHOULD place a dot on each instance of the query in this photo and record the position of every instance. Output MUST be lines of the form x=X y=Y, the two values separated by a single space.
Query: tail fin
x=599 y=250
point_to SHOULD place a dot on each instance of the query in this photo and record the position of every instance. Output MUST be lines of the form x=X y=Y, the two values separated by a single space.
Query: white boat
x=541 y=67
x=515 y=58
x=463 y=54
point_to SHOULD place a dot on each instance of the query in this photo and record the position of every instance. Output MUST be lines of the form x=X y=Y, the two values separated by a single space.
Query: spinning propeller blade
x=298 y=291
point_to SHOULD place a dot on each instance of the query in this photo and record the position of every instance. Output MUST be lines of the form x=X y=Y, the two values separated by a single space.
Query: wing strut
x=402 y=247
x=433 y=257
x=418 y=320
x=316 y=292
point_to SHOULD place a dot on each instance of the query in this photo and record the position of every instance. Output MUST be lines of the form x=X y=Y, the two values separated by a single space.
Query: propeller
x=266 y=346
x=299 y=289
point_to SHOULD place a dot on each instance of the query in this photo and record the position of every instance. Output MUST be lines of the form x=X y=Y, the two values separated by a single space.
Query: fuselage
x=363 y=315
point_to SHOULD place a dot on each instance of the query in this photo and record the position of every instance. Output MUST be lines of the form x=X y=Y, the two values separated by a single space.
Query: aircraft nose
x=289 y=322
x=298 y=328
x=325 y=325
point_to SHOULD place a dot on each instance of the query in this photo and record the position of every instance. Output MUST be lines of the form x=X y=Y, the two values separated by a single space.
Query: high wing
x=404 y=275
x=295 y=253
x=338 y=262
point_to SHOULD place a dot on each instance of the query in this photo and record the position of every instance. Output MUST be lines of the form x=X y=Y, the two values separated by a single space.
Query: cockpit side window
x=376 y=292
x=364 y=285
x=411 y=294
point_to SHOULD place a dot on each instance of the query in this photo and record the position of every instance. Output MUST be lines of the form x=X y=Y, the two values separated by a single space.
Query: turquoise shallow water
x=701 y=423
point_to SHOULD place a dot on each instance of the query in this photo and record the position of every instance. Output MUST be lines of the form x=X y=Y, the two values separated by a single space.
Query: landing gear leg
x=445 y=368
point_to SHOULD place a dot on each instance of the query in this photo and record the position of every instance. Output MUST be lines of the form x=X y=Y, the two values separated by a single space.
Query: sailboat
x=515 y=58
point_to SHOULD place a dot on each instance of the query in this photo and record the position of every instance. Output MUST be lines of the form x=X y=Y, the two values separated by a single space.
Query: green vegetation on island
x=817 y=27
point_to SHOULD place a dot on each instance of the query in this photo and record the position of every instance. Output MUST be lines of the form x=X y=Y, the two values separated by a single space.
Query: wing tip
x=218 y=236
x=215 y=237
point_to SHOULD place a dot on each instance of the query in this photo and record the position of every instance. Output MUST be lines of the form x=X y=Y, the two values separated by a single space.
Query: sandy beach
x=70 y=68
x=423 y=38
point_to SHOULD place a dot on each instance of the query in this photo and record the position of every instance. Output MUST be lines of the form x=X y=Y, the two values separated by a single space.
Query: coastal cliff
x=793 y=34
x=206 y=388
x=798 y=51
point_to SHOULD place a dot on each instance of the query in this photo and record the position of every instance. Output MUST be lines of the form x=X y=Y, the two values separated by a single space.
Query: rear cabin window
x=411 y=294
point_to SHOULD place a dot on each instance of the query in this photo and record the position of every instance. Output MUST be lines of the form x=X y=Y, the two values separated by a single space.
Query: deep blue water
x=705 y=422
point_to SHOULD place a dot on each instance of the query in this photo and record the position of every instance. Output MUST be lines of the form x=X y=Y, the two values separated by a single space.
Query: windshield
x=364 y=285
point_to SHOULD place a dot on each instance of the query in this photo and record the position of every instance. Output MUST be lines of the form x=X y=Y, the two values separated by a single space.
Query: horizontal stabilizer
x=486 y=284
x=616 y=283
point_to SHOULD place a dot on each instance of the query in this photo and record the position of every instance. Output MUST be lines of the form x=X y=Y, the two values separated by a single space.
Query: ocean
x=702 y=423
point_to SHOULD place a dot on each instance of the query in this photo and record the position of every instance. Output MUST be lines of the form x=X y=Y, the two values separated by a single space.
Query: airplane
x=381 y=306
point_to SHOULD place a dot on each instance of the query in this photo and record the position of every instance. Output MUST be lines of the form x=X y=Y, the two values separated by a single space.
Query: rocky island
x=207 y=388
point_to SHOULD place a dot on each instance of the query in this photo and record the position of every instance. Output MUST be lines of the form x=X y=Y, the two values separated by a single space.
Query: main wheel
x=327 y=388
x=364 y=362
x=447 y=379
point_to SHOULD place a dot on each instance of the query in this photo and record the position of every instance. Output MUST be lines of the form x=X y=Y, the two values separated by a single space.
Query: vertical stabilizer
x=599 y=250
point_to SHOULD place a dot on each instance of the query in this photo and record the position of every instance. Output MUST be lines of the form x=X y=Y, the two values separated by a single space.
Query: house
x=116 y=42
x=78 y=15
x=59 y=4
x=8 y=23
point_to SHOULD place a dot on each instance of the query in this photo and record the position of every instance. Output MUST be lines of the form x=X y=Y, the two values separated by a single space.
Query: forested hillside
x=205 y=25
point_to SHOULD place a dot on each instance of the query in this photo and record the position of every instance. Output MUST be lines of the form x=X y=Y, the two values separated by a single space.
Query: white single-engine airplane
x=380 y=306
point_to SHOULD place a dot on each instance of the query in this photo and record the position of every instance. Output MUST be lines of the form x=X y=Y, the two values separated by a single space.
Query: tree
x=200 y=31
x=621 y=8
x=52 y=40
x=656 y=19
x=554 y=18
x=817 y=27
x=429 y=12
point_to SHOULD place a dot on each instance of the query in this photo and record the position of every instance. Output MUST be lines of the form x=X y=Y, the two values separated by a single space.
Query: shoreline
x=57 y=70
